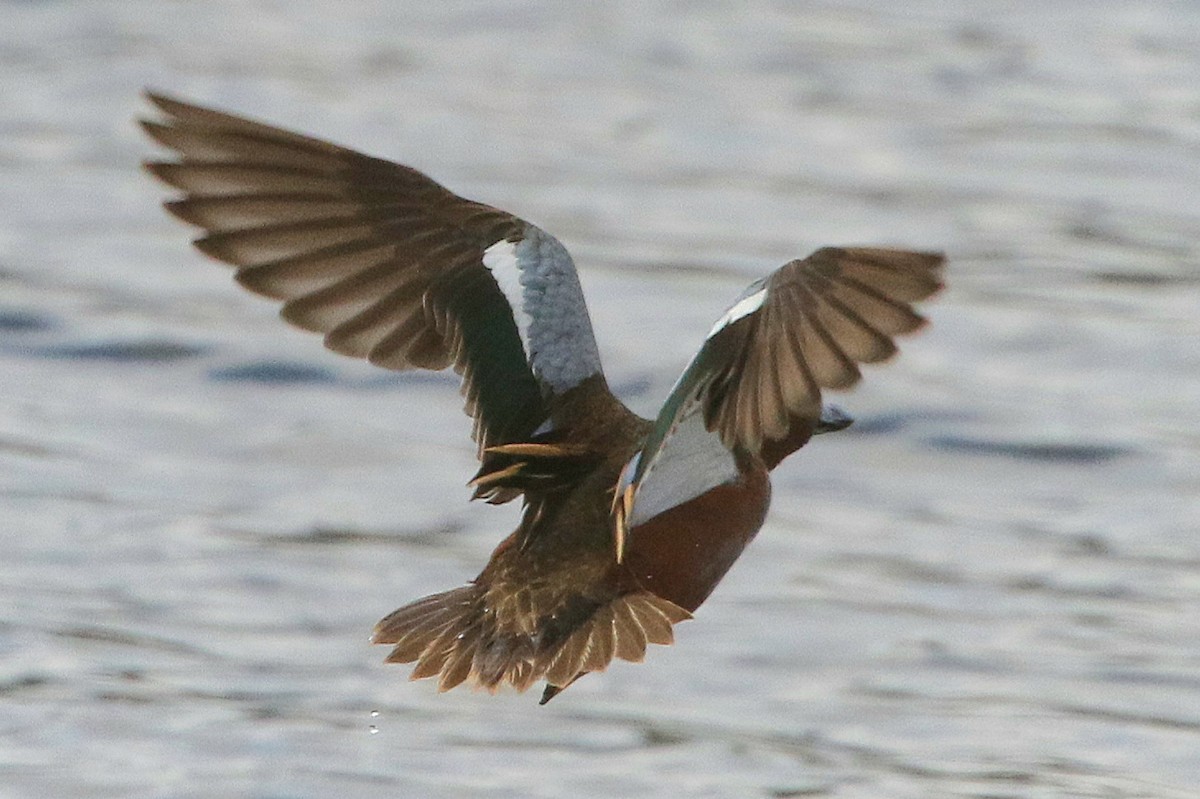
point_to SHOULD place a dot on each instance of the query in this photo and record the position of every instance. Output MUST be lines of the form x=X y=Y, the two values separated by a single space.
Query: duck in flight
x=628 y=524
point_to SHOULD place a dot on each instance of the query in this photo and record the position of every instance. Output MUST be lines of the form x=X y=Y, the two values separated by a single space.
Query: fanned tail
x=452 y=635
x=622 y=629
x=456 y=637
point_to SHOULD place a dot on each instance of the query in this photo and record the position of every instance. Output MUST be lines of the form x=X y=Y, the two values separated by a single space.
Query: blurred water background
x=990 y=587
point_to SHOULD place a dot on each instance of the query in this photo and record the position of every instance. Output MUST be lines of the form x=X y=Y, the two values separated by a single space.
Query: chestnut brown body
x=682 y=553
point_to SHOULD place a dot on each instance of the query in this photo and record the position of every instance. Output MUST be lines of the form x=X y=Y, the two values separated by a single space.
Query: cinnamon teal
x=628 y=523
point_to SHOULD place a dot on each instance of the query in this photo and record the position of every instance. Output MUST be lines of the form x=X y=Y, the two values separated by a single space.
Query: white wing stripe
x=502 y=261
x=741 y=308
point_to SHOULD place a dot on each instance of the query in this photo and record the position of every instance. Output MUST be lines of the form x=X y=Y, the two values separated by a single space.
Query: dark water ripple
x=16 y=320
x=273 y=372
x=150 y=351
x=1031 y=450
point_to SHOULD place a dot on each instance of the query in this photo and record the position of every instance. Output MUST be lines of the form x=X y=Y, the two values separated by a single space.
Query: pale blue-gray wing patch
x=539 y=280
x=681 y=458
x=689 y=461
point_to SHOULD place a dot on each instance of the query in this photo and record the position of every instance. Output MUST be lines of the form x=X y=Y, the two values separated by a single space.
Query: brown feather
x=601 y=643
x=213 y=146
x=459 y=664
x=220 y=214
x=830 y=365
x=264 y=245
x=902 y=275
x=293 y=278
x=200 y=178
x=360 y=334
x=200 y=117
x=348 y=296
x=630 y=637
x=854 y=336
x=887 y=315
x=568 y=662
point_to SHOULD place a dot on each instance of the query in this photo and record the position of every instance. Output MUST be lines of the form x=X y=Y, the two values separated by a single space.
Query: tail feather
x=414 y=629
x=446 y=643
x=622 y=628
x=454 y=636
x=417 y=631
x=458 y=666
x=630 y=634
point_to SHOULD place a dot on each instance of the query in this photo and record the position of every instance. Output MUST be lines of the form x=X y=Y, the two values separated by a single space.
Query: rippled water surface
x=990 y=587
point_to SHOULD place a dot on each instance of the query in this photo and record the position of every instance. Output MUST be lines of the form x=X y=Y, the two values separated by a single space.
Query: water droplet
x=374 y=730
x=374 y=714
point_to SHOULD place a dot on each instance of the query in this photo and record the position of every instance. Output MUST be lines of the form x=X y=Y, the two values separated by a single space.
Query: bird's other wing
x=385 y=262
x=755 y=386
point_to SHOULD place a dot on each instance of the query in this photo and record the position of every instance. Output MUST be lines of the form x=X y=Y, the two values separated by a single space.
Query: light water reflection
x=989 y=587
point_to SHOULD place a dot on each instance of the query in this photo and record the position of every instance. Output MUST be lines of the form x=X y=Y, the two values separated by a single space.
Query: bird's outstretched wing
x=386 y=263
x=755 y=386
